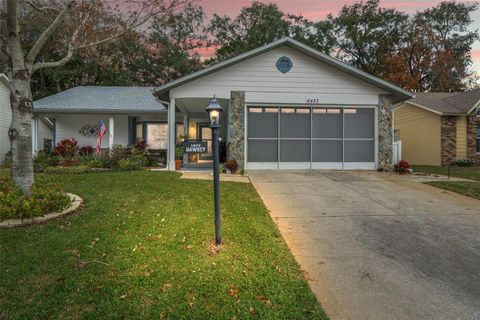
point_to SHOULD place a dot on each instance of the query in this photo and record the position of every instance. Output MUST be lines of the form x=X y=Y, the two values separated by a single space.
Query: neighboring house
x=439 y=128
x=42 y=134
x=131 y=114
x=5 y=117
x=287 y=106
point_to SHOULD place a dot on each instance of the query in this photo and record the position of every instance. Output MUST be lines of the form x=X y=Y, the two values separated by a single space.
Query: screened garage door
x=310 y=138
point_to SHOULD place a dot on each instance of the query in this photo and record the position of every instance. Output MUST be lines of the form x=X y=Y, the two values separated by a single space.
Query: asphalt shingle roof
x=101 y=99
x=448 y=102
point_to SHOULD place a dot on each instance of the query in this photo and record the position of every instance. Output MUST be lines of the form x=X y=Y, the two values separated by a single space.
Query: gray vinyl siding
x=5 y=120
x=262 y=82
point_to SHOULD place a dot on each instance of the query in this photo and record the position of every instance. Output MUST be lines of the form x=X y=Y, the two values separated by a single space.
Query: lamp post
x=213 y=110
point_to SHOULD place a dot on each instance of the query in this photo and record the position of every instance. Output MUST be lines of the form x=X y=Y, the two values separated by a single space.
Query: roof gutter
x=90 y=111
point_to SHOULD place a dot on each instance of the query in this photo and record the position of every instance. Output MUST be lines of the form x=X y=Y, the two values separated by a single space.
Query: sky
x=318 y=9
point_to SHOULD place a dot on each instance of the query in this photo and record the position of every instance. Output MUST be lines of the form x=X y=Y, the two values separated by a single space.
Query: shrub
x=68 y=170
x=147 y=158
x=85 y=160
x=66 y=148
x=45 y=198
x=132 y=163
x=140 y=145
x=402 y=167
x=117 y=153
x=43 y=160
x=464 y=163
x=231 y=165
x=96 y=163
x=221 y=169
x=86 y=151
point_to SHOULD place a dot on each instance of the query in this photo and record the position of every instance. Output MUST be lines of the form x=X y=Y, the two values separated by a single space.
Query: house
x=439 y=128
x=131 y=114
x=287 y=106
x=42 y=134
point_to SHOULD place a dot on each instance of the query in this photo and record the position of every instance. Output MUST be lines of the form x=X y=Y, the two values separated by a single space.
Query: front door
x=205 y=133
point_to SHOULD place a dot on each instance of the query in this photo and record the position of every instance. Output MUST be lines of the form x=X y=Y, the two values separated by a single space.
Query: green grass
x=471 y=189
x=155 y=232
x=472 y=173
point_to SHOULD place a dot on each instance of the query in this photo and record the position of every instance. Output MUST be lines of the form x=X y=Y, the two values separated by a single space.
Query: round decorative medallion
x=89 y=130
x=284 y=64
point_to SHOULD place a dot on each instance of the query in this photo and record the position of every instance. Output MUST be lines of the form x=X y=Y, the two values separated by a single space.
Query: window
x=140 y=132
x=334 y=111
x=47 y=145
x=157 y=136
x=180 y=130
x=396 y=135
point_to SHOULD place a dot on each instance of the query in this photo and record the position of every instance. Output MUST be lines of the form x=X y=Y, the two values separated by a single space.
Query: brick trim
x=236 y=145
x=472 y=137
x=448 y=142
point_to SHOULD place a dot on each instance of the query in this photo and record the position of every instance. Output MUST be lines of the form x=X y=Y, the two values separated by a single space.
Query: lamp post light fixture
x=213 y=110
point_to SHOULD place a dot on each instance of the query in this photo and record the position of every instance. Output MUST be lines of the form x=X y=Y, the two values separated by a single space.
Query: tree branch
x=39 y=8
x=96 y=43
x=68 y=56
x=32 y=55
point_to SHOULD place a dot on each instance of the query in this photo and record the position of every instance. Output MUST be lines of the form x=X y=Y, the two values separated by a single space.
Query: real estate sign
x=196 y=147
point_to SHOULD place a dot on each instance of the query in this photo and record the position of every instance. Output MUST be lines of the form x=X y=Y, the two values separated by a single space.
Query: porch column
x=385 y=133
x=236 y=125
x=111 y=128
x=185 y=134
x=171 y=136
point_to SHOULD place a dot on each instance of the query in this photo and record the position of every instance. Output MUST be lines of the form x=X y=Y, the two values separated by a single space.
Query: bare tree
x=84 y=24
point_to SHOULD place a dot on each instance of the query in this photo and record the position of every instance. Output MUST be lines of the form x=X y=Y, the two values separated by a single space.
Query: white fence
x=397 y=151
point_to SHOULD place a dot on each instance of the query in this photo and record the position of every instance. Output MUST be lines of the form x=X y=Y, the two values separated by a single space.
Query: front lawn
x=471 y=189
x=141 y=248
x=472 y=173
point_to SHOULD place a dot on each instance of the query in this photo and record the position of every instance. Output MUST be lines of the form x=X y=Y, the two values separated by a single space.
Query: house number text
x=313 y=100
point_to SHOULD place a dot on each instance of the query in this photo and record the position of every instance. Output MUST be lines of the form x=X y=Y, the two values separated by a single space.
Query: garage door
x=310 y=138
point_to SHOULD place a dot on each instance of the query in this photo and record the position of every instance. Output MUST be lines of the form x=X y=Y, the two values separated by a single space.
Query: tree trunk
x=21 y=130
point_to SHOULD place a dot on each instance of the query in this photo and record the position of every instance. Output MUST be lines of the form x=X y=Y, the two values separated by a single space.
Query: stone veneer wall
x=448 y=142
x=472 y=137
x=385 y=133
x=236 y=146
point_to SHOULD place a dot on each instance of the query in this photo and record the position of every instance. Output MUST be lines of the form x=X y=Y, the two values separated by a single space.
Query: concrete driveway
x=378 y=246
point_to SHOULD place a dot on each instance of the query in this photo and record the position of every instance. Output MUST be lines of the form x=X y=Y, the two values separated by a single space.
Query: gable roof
x=397 y=93
x=454 y=103
x=91 y=99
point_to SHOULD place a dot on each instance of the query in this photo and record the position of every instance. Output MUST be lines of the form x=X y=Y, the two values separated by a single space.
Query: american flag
x=101 y=132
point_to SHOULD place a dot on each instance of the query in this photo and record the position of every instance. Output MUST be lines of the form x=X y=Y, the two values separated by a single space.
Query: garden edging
x=12 y=223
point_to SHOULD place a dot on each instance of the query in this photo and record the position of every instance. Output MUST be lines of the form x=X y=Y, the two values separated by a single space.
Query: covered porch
x=194 y=126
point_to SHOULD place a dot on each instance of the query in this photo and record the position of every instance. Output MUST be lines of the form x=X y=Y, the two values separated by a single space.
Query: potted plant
x=179 y=152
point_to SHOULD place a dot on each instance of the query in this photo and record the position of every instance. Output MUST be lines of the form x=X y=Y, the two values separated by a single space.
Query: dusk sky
x=318 y=9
